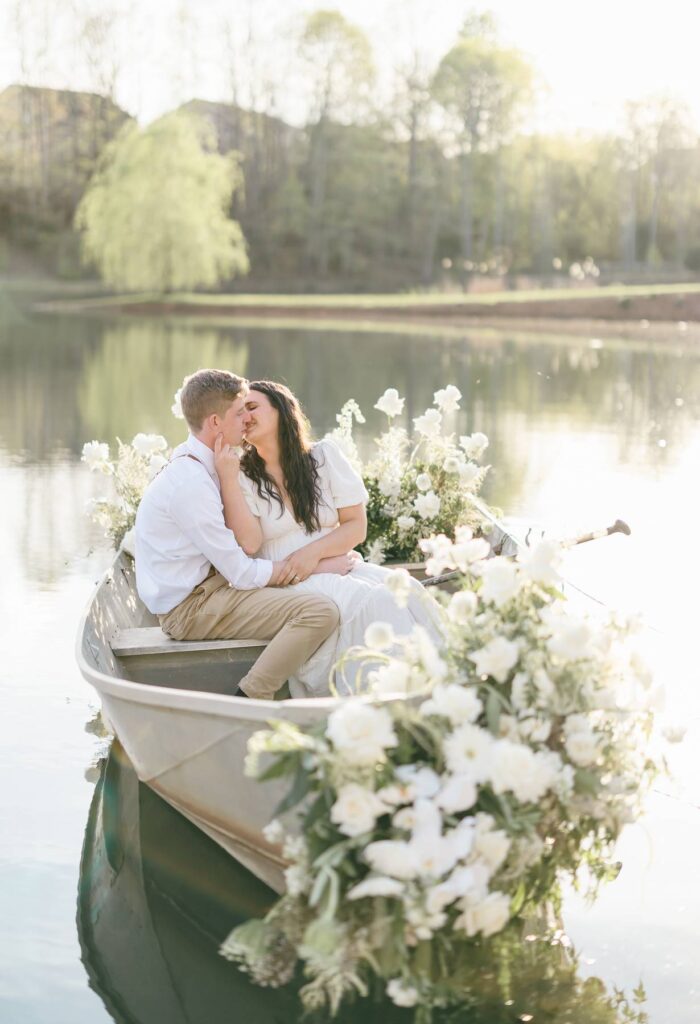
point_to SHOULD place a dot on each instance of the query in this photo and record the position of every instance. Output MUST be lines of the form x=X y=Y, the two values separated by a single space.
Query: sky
x=591 y=57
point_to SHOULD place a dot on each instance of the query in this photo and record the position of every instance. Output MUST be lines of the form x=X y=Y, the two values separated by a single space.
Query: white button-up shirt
x=180 y=533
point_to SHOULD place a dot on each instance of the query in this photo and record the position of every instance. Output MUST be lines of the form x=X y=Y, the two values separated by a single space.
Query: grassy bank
x=664 y=302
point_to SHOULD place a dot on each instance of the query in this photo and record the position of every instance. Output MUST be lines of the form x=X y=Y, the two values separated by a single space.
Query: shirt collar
x=202 y=452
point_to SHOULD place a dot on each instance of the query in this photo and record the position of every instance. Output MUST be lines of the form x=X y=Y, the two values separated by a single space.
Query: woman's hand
x=340 y=565
x=303 y=562
x=226 y=460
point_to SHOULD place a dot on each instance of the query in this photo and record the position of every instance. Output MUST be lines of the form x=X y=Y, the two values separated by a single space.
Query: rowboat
x=171 y=705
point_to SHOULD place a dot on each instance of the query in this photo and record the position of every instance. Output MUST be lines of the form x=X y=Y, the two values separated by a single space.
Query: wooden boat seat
x=128 y=643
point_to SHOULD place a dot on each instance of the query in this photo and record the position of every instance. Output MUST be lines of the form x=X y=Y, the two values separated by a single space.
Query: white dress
x=361 y=596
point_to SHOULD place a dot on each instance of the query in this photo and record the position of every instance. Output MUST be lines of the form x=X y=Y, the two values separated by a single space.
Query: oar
x=619 y=526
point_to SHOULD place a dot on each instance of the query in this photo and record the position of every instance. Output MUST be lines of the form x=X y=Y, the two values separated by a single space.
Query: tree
x=339 y=61
x=483 y=87
x=154 y=216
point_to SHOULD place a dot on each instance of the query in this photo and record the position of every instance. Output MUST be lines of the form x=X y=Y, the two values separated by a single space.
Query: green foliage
x=154 y=216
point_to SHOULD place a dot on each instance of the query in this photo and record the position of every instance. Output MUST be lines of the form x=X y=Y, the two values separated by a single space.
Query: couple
x=260 y=546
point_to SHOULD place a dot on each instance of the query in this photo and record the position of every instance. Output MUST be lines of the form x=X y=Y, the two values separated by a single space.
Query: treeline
x=446 y=182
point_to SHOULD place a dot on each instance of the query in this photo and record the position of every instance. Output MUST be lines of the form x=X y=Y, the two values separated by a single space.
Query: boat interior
x=123 y=639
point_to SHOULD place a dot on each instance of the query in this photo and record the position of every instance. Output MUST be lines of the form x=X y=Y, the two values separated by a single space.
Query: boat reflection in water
x=157 y=898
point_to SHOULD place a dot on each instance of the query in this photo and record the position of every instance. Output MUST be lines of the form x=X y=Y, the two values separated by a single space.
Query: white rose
x=500 y=581
x=466 y=552
x=379 y=636
x=488 y=917
x=405 y=523
x=392 y=857
x=401 y=994
x=516 y=767
x=356 y=810
x=492 y=847
x=541 y=562
x=427 y=505
x=176 y=407
x=468 y=751
x=536 y=730
x=462 y=606
x=474 y=444
x=429 y=424
x=392 y=678
x=571 y=640
x=458 y=794
x=147 y=444
x=448 y=398
x=582 y=748
x=155 y=465
x=376 y=885
x=452 y=464
x=454 y=702
x=390 y=403
x=360 y=732
x=423 y=482
x=424 y=781
x=496 y=659
x=468 y=472
x=96 y=456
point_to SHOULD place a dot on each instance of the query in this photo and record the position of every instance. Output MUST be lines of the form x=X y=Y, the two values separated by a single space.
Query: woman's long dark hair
x=299 y=469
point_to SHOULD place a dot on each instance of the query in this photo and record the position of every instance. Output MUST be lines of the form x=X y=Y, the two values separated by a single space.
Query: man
x=190 y=570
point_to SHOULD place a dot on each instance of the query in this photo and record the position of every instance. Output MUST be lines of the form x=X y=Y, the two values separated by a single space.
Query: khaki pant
x=294 y=625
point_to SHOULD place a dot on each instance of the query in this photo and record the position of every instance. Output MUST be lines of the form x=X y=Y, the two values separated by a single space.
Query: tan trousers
x=294 y=625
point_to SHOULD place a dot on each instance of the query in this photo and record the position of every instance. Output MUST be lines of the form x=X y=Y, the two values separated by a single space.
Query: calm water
x=582 y=431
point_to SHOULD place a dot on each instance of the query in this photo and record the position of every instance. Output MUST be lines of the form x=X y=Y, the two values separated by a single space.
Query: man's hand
x=304 y=562
x=226 y=460
x=282 y=574
x=341 y=565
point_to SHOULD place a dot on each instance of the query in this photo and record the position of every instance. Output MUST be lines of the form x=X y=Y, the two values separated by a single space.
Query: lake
x=582 y=430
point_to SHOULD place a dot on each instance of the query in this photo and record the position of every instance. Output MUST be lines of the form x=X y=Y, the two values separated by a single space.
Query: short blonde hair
x=209 y=391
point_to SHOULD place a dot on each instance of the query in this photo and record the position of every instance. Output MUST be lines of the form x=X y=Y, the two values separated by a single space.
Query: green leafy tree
x=338 y=59
x=155 y=214
x=483 y=87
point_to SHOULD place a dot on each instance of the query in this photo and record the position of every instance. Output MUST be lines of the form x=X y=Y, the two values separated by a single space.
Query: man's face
x=233 y=424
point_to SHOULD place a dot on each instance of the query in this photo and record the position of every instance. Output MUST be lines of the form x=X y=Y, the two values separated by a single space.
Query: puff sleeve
x=342 y=481
x=250 y=493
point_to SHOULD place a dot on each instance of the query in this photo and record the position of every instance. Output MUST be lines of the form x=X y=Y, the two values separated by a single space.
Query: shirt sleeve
x=199 y=515
x=345 y=483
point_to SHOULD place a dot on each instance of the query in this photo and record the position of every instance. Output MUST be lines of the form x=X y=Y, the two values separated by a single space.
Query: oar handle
x=619 y=526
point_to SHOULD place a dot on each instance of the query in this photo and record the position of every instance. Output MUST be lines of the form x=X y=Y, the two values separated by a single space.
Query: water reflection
x=64 y=380
x=156 y=898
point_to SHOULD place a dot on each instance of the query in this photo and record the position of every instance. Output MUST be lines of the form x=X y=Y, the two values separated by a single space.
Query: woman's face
x=263 y=418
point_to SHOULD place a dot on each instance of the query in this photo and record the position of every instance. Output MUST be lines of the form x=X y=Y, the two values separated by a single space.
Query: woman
x=302 y=501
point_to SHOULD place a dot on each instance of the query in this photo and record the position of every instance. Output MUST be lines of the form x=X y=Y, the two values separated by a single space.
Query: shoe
x=238 y=692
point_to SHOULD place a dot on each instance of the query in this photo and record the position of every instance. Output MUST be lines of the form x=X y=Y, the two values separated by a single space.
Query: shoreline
x=633 y=309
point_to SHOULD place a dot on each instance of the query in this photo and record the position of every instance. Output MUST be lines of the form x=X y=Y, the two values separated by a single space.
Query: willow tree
x=483 y=87
x=155 y=214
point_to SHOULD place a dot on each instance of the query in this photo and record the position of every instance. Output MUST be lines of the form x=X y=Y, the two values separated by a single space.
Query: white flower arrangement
x=134 y=467
x=416 y=488
x=442 y=820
